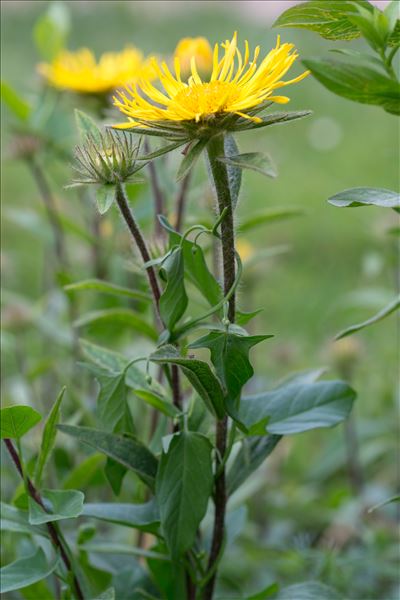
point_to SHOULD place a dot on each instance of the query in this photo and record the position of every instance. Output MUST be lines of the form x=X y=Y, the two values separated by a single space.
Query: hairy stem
x=219 y=174
x=181 y=202
x=159 y=201
x=51 y=210
x=52 y=528
x=122 y=202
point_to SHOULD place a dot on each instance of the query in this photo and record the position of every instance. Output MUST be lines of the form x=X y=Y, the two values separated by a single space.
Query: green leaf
x=295 y=408
x=105 y=287
x=364 y=196
x=127 y=451
x=390 y=500
x=308 y=590
x=111 y=401
x=60 y=504
x=105 y=195
x=40 y=589
x=183 y=487
x=140 y=516
x=270 y=215
x=230 y=357
x=357 y=82
x=251 y=455
x=382 y=314
x=174 y=300
x=256 y=161
x=121 y=316
x=191 y=157
x=87 y=127
x=108 y=594
x=268 y=592
x=163 y=150
x=394 y=39
x=115 y=474
x=84 y=472
x=199 y=374
x=15 y=103
x=195 y=265
x=25 y=571
x=48 y=437
x=51 y=30
x=17 y=420
x=329 y=19
x=273 y=119
x=16 y=520
x=157 y=402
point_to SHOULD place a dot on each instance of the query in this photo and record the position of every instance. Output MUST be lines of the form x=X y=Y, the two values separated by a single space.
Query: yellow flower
x=237 y=86
x=245 y=250
x=79 y=72
x=199 y=48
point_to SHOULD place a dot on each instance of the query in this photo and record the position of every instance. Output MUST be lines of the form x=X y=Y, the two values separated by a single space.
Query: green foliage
x=190 y=158
x=51 y=30
x=174 y=300
x=127 y=451
x=25 y=571
x=48 y=437
x=295 y=408
x=256 y=161
x=18 y=420
x=230 y=357
x=382 y=314
x=60 y=504
x=356 y=82
x=199 y=374
x=183 y=487
x=18 y=106
x=144 y=517
x=105 y=195
x=364 y=196
x=105 y=287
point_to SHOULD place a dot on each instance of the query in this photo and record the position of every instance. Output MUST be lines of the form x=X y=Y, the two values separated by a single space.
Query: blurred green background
x=337 y=267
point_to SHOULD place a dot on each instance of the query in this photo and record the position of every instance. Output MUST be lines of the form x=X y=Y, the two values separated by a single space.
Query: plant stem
x=219 y=174
x=51 y=209
x=122 y=201
x=52 y=529
x=181 y=202
x=159 y=201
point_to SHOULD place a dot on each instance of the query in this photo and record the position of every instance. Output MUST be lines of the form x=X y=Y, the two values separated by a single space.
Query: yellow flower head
x=79 y=72
x=238 y=86
x=199 y=48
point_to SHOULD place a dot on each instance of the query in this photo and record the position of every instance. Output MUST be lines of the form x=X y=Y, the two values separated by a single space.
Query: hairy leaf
x=364 y=196
x=199 y=374
x=129 y=452
x=183 y=487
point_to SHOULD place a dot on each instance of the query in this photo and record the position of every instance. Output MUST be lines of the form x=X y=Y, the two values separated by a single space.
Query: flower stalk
x=215 y=149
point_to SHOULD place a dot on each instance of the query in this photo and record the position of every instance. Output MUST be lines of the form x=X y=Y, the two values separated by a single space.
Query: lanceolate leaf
x=87 y=126
x=174 y=300
x=273 y=119
x=268 y=216
x=183 y=487
x=364 y=196
x=60 y=504
x=25 y=571
x=129 y=452
x=230 y=357
x=357 y=82
x=17 y=420
x=234 y=172
x=297 y=407
x=48 y=437
x=140 y=516
x=200 y=376
x=191 y=157
x=329 y=19
x=105 y=287
x=111 y=401
x=252 y=453
x=255 y=161
x=119 y=316
x=196 y=268
x=385 y=312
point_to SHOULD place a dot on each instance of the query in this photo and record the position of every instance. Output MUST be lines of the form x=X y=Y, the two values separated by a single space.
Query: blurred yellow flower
x=198 y=47
x=244 y=249
x=236 y=85
x=79 y=72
